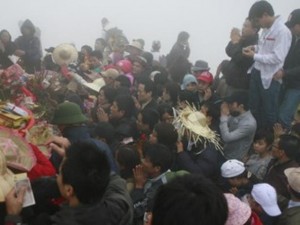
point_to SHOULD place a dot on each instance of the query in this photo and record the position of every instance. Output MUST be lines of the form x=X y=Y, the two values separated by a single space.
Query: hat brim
x=196 y=68
x=70 y=120
x=289 y=24
x=272 y=210
x=127 y=47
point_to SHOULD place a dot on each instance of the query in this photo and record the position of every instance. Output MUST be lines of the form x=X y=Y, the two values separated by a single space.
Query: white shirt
x=273 y=46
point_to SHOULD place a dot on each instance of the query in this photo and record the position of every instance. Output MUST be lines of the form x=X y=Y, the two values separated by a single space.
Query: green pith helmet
x=68 y=113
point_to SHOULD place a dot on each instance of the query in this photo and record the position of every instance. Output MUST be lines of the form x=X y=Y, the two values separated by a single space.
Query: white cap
x=265 y=195
x=232 y=168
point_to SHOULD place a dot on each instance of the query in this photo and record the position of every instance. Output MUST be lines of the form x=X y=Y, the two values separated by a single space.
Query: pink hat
x=205 y=76
x=125 y=66
x=238 y=211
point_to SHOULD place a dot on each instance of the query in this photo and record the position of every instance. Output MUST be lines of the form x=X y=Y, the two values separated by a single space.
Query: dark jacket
x=290 y=216
x=115 y=208
x=32 y=47
x=5 y=62
x=125 y=128
x=235 y=71
x=206 y=162
x=292 y=65
x=276 y=177
x=177 y=51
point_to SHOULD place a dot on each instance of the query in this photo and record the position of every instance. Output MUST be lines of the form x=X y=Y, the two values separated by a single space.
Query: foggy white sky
x=79 y=21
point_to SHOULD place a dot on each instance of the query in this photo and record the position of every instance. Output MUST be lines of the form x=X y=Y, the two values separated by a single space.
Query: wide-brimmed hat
x=110 y=73
x=293 y=177
x=6 y=178
x=238 y=211
x=96 y=85
x=64 y=54
x=194 y=123
x=18 y=153
x=134 y=44
x=68 y=113
x=200 y=65
x=265 y=195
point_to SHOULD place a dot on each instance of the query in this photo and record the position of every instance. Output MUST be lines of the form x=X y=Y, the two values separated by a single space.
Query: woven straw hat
x=64 y=54
x=194 y=123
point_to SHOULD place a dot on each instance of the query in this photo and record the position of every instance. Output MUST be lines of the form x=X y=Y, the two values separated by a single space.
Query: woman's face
x=5 y=37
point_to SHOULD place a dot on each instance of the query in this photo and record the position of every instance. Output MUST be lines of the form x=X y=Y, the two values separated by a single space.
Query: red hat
x=125 y=66
x=205 y=76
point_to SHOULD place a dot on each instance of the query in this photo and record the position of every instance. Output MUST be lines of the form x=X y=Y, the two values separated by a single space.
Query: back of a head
x=183 y=36
x=290 y=144
x=149 y=85
x=259 y=8
x=166 y=134
x=125 y=103
x=159 y=155
x=105 y=130
x=189 y=200
x=86 y=169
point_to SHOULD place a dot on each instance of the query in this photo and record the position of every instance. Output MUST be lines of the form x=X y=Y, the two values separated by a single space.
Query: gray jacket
x=237 y=134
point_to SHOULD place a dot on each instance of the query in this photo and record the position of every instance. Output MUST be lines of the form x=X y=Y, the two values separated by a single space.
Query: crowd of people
x=144 y=138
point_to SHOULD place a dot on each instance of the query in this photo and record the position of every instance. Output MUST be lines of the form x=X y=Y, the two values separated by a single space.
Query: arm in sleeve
x=280 y=50
x=242 y=131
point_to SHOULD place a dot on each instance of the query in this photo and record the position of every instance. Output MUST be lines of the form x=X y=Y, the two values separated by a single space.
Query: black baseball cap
x=294 y=18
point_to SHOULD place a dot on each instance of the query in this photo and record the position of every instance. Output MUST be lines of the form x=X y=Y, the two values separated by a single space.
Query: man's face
x=248 y=29
x=276 y=152
x=148 y=167
x=137 y=68
x=202 y=85
x=296 y=30
x=234 y=109
x=143 y=96
x=263 y=21
x=115 y=113
x=95 y=62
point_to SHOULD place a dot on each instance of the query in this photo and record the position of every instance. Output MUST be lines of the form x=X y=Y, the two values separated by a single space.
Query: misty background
x=209 y=22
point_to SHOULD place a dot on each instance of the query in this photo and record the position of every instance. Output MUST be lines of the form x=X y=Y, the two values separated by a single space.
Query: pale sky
x=79 y=21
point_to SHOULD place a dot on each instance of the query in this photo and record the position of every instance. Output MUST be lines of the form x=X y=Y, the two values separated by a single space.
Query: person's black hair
x=105 y=130
x=123 y=91
x=158 y=155
x=295 y=129
x=149 y=57
x=109 y=93
x=213 y=110
x=98 y=54
x=290 y=144
x=150 y=117
x=242 y=175
x=124 y=81
x=258 y=9
x=125 y=103
x=187 y=96
x=166 y=134
x=87 y=170
x=264 y=134
x=88 y=49
x=103 y=42
x=3 y=31
x=164 y=108
x=173 y=90
x=128 y=158
x=183 y=36
x=189 y=200
x=149 y=85
x=254 y=25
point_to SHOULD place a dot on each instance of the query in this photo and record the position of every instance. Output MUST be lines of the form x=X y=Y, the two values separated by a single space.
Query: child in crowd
x=240 y=180
x=258 y=162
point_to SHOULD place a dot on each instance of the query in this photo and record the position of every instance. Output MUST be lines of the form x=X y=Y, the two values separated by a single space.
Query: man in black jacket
x=236 y=70
x=291 y=73
x=94 y=194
